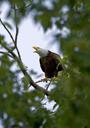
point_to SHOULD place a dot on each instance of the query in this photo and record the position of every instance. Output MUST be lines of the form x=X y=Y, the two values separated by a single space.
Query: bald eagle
x=49 y=62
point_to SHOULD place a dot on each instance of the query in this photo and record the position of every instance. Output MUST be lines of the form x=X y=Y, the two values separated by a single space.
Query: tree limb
x=7 y=30
x=22 y=67
x=18 y=58
x=14 y=41
x=24 y=71
x=16 y=35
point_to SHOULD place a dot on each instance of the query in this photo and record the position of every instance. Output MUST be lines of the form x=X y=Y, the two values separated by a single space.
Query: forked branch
x=11 y=53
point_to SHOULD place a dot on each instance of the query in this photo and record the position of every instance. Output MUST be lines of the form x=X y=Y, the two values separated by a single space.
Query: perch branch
x=31 y=82
x=43 y=80
x=24 y=71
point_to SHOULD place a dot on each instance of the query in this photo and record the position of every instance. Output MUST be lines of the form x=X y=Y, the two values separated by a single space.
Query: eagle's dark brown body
x=50 y=64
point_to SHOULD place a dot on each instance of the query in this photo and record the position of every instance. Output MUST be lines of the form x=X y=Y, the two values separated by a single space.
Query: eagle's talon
x=43 y=80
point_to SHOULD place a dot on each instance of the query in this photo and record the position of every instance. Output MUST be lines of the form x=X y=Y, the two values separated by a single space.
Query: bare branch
x=24 y=71
x=16 y=35
x=7 y=30
x=31 y=82
x=17 y=30
x=15 y=42
x=45 y=91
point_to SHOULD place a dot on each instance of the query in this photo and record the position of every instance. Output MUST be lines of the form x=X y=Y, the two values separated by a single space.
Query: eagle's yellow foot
x=46 y=79
x=47 y=86
x=43 y=80
x=50 y=81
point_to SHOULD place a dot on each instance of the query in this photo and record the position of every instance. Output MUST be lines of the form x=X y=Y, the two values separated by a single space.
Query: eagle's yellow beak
x=35 y=49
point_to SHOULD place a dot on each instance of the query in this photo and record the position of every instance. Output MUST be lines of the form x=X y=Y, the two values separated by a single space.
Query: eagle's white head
x=40 y=51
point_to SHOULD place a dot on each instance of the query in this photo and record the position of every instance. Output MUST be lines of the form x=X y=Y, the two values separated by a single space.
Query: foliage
x=72 y=90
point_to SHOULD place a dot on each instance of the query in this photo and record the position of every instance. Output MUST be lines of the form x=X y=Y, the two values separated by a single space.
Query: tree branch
x=16 y=35
x=7 y=30
x=23 y=69
x=14 y=41
x=18 y=58
x=31 y=82
x=1 y=52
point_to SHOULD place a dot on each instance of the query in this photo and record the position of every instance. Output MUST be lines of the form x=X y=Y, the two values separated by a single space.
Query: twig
x=7 y=30
x=16 y=35
x=42 y=80
x=17 y=30
x=1 y=52
x=12 y=37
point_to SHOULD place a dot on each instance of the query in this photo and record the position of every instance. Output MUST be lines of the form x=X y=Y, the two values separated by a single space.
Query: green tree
x=72 y=90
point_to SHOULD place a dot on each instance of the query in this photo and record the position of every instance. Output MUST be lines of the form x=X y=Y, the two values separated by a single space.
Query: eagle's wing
x=58 y=61
x=41 y=60
x=50 y=64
